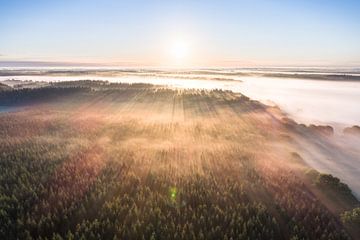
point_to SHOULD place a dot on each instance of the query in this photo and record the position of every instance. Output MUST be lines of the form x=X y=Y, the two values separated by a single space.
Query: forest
x=100 y=160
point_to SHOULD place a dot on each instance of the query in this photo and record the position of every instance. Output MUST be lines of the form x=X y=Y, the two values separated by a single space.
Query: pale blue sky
x=224 y=33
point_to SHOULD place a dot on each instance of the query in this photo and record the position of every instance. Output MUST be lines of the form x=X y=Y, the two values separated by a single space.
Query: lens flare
x=173 y=193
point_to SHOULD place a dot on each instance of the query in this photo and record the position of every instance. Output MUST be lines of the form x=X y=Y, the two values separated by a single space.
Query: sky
x=224 y=33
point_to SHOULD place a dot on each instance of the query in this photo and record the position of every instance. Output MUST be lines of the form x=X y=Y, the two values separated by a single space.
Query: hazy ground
x=80 y=147
x=310 y=96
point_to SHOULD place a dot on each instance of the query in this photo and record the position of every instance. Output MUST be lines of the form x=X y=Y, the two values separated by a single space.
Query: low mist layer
x=104 y=160
x=309 y=95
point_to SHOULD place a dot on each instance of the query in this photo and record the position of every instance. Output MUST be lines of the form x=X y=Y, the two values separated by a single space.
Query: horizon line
x=129 y=64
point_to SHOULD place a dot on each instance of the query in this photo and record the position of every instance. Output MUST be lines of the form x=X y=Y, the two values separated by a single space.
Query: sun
x=180 y=50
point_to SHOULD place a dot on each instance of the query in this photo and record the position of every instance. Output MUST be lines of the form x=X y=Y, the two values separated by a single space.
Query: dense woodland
x=94 y=160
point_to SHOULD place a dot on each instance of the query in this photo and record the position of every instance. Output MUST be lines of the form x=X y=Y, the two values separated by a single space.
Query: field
x=94 y=160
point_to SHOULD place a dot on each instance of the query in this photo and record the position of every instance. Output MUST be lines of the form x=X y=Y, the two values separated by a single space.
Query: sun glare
x=180 y=50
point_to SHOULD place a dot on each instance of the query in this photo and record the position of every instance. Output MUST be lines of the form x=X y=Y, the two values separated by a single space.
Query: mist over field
x=188 y=137
x=309 y=96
